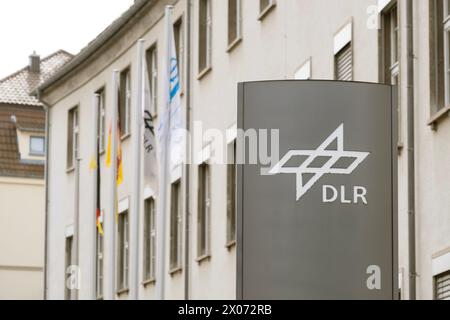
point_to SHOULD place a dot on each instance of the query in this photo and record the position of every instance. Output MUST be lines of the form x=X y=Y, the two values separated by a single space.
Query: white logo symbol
x=322 y=152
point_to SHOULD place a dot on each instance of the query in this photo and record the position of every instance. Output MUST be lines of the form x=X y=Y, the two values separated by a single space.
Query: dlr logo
x=331 y=194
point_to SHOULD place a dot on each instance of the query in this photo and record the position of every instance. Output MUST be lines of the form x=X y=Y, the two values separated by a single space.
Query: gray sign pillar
x=320 y=220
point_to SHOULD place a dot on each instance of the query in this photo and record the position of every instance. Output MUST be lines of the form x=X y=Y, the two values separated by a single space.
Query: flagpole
x=113 y=191
x=161 y=223
x=96 y=103
x=75 y=292
x=134 y=221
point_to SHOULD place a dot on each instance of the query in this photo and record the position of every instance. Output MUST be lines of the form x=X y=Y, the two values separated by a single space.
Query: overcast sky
x=49 y=25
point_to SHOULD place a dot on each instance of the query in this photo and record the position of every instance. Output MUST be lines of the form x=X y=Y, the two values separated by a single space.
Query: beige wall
x=21 y=238
x=273 y=48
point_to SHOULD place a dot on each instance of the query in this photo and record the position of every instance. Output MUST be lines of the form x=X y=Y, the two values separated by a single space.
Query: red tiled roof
x=16 y=88
x=28 y=113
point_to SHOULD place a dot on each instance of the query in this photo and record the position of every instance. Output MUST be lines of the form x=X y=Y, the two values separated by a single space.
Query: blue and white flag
x=171 y=132
x=171 y=142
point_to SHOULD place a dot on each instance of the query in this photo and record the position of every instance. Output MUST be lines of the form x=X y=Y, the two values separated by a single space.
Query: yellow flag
x=108 y=150
x=99 y=222
x=119 y=155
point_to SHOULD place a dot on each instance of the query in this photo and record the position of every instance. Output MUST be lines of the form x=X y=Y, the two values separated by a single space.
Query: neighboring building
x=22 y=185
x=233 y=41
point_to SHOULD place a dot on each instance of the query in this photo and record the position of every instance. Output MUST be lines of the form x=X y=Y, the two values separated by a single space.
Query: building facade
x=22 y=184
x=219 y=44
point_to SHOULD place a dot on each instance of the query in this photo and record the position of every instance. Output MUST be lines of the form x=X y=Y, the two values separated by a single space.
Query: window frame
x=231 y=195
x=390 y=55
x=101 y=135
x=446 y=34
x=204 y=69
x=68 y=260
x=152 y=60
x=394 y=37
x=34 y=152
x=123 y=254
x=125 y=101
x=149 y=267
x=99 y=273
x=446 y=10
x=204 y=212
x=264 y=11
x=232 y=43
x=175 y=259
x=73 y=131
x=436 y=41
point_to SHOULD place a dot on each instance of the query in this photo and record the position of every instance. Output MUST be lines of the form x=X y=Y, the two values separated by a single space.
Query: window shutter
x=442 y=286
x=344 y=64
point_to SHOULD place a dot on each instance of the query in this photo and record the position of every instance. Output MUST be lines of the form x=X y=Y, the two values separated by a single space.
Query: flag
x=109 y=148
x=119 y=154
x=119 y=158
x=150 y=158
x=110 y=221
x=170 y=147
x=171 y=126
x=99 y=213
x=94 y=164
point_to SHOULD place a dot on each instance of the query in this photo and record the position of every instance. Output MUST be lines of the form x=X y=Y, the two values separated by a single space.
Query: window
x=152 y=68
x=175 y=227
x=390 y=56
x=205 y=36
x=37 y=146
x=99 y=267
x=390 y=45
x=179 y=47
x=265 y=6
x=101 y=119
x=68 y=263
x=446 y=24
x=442 y=286
x=149 y=240
x=204 y=208
x=231 y=194
x=125 y=102
x=72 y=138
x=123 y=247
x=234 y=22
x=343 y=62
x=440 y=54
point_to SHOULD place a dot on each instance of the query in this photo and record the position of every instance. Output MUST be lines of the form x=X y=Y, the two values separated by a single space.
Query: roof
x=16 y=88
x=28 y=113
x=10 y=163
x=111 y=31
